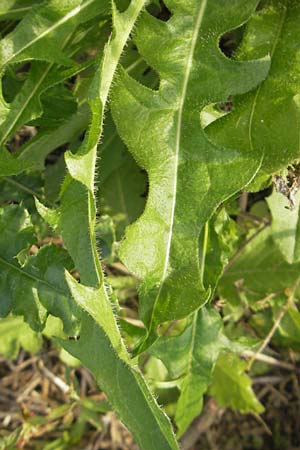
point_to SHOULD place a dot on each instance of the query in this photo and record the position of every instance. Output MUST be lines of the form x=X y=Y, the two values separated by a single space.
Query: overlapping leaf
x=44 y=34
x=122 y=186
x=111 y=366
x=41 y=33
x=32 y=286
x=188 y=175
x=27 y=104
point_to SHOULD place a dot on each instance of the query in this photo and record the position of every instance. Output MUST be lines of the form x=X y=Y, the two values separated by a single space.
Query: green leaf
x=261 y=120
x=218 y=246
x=22 y=189
x=40 y=34
x=77 y=191
x=39 y=287
x=114 y=371
x=232 y=387
x=16 y=334
x=188 y=176
x=34 y=152
x=27 y=104
x=111 y=366
x=287 y=334
x=34 y=287
x=192 y=356
x=286 y=226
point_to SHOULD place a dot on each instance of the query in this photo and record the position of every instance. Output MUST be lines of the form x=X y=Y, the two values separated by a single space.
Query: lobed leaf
x=111 y=367
x=188 y=175
x=266 y=121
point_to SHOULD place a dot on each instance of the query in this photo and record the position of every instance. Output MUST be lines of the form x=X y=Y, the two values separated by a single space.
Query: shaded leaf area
x=259 y=280
x=27 y=104
x=217 y=246
x=33 y=286
x=122 y=184
x=186 y=172
x=58 y=27
x=287 y=335
x=45 y=28
x=266 y=120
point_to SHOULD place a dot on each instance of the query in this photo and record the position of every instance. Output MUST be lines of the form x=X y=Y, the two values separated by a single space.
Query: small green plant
x=126 y=138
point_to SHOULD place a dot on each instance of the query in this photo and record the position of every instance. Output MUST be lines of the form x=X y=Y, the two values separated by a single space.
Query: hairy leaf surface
x=99 y=325
x=102 y=351
x=188 y=175
x=266 y=120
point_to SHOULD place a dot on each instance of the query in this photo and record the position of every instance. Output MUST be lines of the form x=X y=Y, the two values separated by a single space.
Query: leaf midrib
x=56 y=25
x=32 y=277
x=25 y=104
x=189 y=62
x=15 y=10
